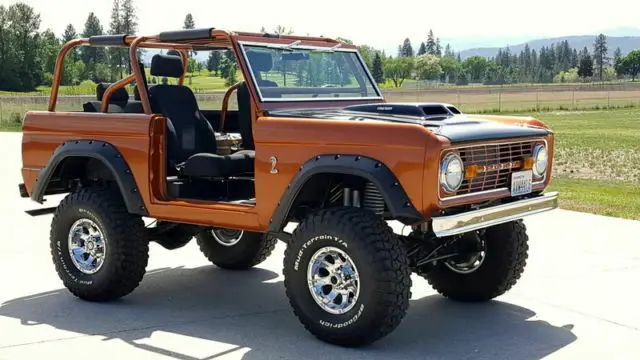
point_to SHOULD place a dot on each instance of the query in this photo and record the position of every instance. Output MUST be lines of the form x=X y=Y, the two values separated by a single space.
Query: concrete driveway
x=577 y=298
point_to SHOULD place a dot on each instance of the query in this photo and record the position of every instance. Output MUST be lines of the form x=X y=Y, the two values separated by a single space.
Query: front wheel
x=347 y=276
x=488 y=273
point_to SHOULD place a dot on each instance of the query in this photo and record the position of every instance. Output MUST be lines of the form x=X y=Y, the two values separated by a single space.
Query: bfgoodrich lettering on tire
x=99 y=250
x=347 y=276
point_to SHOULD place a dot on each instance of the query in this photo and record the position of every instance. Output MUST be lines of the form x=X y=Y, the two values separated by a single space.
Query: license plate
x=521 y=182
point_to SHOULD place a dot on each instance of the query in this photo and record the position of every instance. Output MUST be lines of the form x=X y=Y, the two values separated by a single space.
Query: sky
x=466 y=23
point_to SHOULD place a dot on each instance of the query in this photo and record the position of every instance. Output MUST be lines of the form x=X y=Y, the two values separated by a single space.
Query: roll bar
x=181 y=40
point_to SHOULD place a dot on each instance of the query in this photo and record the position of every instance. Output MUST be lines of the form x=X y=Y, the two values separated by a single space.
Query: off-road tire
x=252 y=249
x=504 y=263
x=127 y=247
x=382 y=264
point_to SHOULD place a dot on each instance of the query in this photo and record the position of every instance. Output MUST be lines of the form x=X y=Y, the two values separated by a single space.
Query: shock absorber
x=372 y=198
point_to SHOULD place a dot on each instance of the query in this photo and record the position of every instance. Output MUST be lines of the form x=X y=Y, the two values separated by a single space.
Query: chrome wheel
x=87 y=246
x=227 y=237
x=466 y=266
x=333 y=280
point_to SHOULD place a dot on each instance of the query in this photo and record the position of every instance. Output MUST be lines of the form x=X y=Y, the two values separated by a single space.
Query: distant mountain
x=626 y=44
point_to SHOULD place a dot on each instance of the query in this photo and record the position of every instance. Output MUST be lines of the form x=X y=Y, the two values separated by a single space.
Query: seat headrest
x=259 y=60
x=166 y=65
x=119 y=95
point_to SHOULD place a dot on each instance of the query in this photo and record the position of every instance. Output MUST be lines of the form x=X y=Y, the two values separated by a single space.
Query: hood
x=441 y=119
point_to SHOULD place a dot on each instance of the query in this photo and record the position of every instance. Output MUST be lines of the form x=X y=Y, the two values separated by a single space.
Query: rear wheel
x=488 y=273
x=235 y=249
x=347 y=276
x=99 y=250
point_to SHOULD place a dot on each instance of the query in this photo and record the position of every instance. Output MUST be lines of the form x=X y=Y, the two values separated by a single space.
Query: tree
x=617 y=54
x=398 y=69
x=450 y=68
x=431 y=43
x=282 y=30
x=116 y=54
x=600 y=54
x=406 y=49
x=630 y=64
x=188 y=22
x=89 y=54
x=448 y=52
x=438 y=51
x=213 y=62
x=428 y=67
x=368 y=53
x=19 y=24
x=585 y=64
x=377 y=71
x=475 y=67
x=68 y=35
x=423 y=49
x=49 y=48
x=129 y=22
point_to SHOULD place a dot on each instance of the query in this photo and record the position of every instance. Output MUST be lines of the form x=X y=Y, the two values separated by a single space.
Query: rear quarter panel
x=44 y=131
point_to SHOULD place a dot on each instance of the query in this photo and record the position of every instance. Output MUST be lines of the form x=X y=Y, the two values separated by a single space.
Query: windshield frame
x=293 y=46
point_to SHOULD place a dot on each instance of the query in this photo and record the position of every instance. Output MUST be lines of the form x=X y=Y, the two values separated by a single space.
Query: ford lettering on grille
x=495 y=163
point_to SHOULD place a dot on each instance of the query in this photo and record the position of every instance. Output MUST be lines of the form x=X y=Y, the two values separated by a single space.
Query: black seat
x=118 y=103
x=192 y=142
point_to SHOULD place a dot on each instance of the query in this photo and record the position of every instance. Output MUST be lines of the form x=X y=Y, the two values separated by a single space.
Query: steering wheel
x=225 y=105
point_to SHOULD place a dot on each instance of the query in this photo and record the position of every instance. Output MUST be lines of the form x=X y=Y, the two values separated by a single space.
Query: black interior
x=195 y=169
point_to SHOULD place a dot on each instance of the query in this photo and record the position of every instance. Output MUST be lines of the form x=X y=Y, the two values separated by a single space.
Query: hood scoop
x=423 y=111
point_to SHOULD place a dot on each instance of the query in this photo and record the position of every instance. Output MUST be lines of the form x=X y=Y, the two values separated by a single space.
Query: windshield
x=305 y=74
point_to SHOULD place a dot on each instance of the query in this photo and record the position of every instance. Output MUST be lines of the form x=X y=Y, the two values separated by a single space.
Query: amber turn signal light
x=470 y=171
x=528 y=163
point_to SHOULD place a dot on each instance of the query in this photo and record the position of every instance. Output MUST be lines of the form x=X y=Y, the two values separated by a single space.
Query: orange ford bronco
x=312 y=144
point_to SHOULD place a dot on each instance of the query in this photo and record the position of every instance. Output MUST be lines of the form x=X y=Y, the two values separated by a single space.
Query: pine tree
x=406 y=49
x=116 y=55
x=189 y=24
x=438 y=51
x=585 y=65
x=68 y=35
x=89 y=54
x=448 y=52
x=617 y=54
x=423 y=49
x=213 y=62
x=431 y=43
x=377 y=72
x=600 y=54
x=129 y=23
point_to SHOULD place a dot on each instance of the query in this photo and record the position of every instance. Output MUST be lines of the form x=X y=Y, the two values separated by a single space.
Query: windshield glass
x=305 y=74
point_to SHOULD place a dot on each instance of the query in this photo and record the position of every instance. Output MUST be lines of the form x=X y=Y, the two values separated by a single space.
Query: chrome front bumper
x=479 y=219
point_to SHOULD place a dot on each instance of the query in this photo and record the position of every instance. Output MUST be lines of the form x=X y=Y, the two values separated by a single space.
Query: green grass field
x=597 y=161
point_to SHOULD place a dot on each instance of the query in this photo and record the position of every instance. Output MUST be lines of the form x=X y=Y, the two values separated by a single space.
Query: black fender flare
x=103 y=152
x=368 y=168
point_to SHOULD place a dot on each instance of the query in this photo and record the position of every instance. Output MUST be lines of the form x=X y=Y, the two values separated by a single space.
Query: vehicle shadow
x=249 y=311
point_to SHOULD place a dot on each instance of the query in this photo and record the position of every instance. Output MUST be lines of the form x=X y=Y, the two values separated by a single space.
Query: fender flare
x=368 y=168
x=103 y=152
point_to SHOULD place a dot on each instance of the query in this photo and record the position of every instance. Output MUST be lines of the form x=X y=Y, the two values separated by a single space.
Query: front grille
x=488 y=155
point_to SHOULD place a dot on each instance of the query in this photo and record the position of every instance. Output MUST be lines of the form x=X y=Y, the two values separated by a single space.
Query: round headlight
x=540 y=160
x=451 y=173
